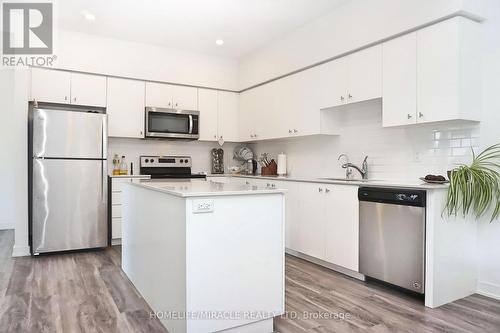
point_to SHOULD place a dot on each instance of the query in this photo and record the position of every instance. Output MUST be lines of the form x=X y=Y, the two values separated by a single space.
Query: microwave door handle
x=190 y=124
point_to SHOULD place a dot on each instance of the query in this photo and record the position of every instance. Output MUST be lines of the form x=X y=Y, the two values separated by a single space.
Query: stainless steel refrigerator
x=68 y=178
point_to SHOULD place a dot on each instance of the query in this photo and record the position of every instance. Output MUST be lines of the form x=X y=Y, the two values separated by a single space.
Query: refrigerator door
x=69 y=205
x=68 y=134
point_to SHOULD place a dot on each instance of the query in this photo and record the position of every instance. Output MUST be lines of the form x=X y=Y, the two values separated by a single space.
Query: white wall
x=199 y=151
x=350 y=26
x=88 y=53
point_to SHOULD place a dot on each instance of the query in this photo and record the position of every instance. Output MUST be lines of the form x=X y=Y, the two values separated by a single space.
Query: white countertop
x=202 y=188
x=417 y=184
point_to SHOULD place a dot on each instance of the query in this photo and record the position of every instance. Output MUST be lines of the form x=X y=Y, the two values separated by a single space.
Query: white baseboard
x=489 y=289
x=21 y=251
x=7 y=225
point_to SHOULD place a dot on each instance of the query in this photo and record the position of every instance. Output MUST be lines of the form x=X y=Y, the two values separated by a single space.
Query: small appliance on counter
x=168 y=167
x=217 y=161
x=245 y=155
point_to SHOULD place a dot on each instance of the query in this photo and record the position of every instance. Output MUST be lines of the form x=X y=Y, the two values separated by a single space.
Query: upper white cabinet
x=228 y=116
x=351 y=79
x=88 y=89
x=208 y=107
x=433 y=75
x=164 y=95
x=399 y=102
x=126 y=108
x=218 y=115
x=56 y=86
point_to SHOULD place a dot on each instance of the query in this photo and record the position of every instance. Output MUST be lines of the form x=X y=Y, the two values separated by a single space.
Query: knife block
x=271 y=170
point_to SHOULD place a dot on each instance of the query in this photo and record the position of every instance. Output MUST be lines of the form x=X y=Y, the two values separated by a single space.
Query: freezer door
x=68 y=134
x=69 y=205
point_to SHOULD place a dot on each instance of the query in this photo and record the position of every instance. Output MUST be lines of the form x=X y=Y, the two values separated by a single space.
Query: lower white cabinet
x=321 y=220
x=115 y=204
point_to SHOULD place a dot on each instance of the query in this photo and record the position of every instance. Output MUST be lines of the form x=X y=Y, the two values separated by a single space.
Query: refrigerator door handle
x=104 y=177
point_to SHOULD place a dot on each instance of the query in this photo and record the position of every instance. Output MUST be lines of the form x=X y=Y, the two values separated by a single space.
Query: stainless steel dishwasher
x=392 y=236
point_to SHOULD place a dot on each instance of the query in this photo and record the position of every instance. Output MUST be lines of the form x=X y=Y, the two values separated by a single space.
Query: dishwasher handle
x=395 y=196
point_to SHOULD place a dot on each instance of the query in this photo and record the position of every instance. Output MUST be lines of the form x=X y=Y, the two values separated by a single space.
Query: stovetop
x=168 y=167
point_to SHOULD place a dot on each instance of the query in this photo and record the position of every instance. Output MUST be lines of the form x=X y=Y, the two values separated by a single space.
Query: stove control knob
x=151 y=161
x=182 y=161
x=146 y=160
x=185 y=161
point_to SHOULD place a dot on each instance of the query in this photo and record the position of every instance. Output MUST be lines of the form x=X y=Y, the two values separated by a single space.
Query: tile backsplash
x=405 y=152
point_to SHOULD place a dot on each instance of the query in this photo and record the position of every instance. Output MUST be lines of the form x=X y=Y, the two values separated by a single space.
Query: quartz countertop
x=418 y=184
x=202 y=188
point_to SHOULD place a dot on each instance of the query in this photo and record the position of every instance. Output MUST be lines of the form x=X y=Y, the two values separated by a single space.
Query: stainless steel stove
x=168 y=167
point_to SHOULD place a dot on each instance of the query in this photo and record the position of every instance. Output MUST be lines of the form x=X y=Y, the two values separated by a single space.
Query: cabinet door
x=125 y=108
x=50 y=85
x=305 y=113
x=399 y=100
x=185 y=98
x=88 y=89
x=228 y=116
x=291 y=201
x=438 y=74
x=248 y=106
x=310 y=238
x=332 y=83
x=208 y=114
x=159 y=95
x=365 y=75
x=341 y=215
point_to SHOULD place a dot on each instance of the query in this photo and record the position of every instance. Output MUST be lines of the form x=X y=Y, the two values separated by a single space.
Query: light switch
x=203 y=206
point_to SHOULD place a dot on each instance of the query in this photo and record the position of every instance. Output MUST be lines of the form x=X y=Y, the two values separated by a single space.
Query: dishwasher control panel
x=395 y=196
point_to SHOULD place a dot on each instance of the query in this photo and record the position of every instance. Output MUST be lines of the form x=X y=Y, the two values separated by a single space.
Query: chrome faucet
x=363 y=170
x=348 y=170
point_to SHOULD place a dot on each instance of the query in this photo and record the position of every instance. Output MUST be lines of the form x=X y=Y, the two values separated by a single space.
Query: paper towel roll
x=281 y=164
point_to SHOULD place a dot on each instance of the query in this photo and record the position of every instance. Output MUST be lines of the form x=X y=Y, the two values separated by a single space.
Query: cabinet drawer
x=118 y=182
x=116 y=211
x=116 y=198
x=116 y=228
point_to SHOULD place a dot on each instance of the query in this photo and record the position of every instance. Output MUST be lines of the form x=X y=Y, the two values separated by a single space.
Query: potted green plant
x=476 y=187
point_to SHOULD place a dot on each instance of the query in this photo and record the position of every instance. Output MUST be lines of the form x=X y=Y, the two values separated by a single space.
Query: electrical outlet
x=416 y=157
x=203 y=206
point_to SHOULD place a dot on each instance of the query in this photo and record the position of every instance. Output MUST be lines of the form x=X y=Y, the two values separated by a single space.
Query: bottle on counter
x=123 y=167
x=116 y=165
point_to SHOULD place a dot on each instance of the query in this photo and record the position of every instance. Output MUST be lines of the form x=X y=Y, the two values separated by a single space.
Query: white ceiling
x=194 y=25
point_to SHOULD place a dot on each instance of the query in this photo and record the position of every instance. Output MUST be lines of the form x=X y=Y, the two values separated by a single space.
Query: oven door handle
x=190 y=124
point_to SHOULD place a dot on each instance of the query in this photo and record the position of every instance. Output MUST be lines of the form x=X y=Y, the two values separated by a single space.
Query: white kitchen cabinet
x=399 y=100
x=309 y=237
x=125 y=108
x=87 y=89
x=249 y=106
x=449 y=71
x=159 y=95
x=208 y=107
x=218 y=115
x=51 y=86
x=228 y=115
x=432 y=75
x=55 y=86
x=365 y=75
x=162 y=95
x=351 y=79
x=341 y=218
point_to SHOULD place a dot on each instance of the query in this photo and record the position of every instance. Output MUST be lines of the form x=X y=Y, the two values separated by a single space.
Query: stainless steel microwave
x=172 y=124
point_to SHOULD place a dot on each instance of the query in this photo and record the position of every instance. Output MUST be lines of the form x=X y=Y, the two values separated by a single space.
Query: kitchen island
x=206 y=256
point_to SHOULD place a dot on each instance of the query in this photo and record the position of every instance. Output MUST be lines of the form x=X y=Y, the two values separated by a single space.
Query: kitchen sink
x=346 y=180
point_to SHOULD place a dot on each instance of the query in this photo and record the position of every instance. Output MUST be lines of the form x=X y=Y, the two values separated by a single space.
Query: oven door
x=170 y=123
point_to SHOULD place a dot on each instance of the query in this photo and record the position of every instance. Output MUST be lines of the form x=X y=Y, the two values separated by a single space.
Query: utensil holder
x=270 y=170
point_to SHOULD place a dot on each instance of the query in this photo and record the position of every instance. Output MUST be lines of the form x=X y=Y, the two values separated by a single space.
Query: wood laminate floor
x=88 y=292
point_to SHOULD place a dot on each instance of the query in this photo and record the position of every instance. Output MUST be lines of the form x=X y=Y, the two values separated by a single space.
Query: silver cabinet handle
x=350 y=96
x=410 y=116
x=320 y=189
x=327 y=190
x=420 y=114
x=65 y=98
x=220 y=137
x=273 y=185
x=295 y=131
x=290 y=131
x=215 y=136
x=342 y=98
x=74 y=99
